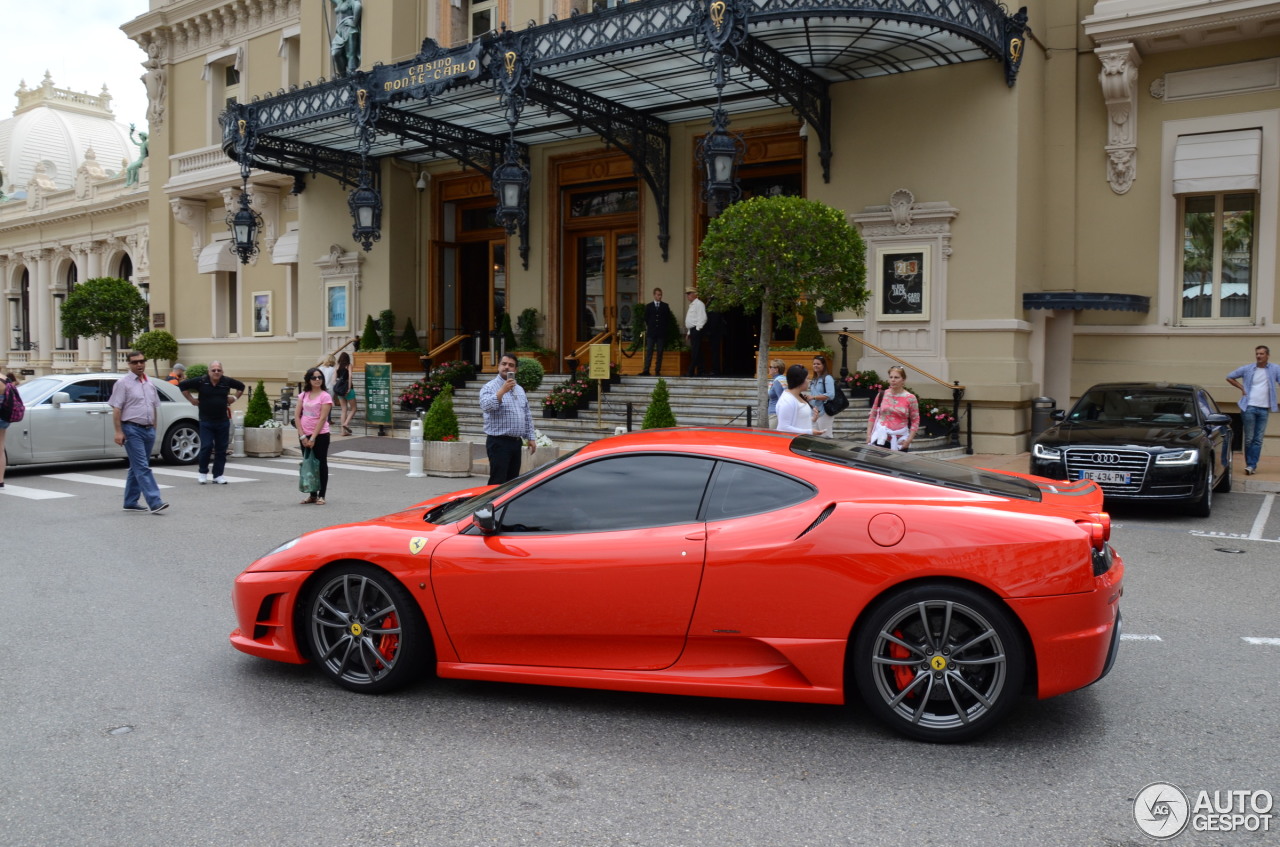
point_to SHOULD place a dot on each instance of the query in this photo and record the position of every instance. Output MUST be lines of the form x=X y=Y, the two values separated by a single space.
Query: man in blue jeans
x=214 y=389
x=135 y=407
x=1257 y=384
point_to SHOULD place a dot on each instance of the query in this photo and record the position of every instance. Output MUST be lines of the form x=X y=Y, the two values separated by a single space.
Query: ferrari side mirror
x=483 y=519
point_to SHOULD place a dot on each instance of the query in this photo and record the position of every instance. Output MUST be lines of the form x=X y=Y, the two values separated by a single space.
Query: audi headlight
x=1181 y=457
x=1049 y=454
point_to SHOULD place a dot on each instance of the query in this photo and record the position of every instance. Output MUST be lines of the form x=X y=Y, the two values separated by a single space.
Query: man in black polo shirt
x=214 y=390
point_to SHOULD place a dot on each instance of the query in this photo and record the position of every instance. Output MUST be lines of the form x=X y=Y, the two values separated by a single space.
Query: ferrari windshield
x=456 y=510
x=1135 y=406
x=915 y=467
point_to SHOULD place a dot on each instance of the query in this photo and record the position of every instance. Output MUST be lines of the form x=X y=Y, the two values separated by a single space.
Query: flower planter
x=536 y=460
x=548 y=412
x=935 y=428
x=400 y=361
x=567 y=414
x=674 y=363
x=263 y=442
x=446 y=458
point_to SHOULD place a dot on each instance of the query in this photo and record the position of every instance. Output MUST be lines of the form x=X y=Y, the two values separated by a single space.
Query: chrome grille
x=1132 y=462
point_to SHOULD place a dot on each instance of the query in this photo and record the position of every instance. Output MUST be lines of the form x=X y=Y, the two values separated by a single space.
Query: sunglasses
x=137 y=361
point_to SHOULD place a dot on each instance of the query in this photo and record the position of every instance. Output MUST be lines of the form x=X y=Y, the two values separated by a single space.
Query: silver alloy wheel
x=939 y=664
x=181 y=445
x=355 y=629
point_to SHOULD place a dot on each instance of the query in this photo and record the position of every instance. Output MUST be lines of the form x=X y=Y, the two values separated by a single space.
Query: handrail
x=580 y=351
x=440 y=348
x=335 y=353
x=950 y=386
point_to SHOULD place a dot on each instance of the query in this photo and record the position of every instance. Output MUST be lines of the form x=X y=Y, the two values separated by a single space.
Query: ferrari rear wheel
x=940 y=663
x=365 y=631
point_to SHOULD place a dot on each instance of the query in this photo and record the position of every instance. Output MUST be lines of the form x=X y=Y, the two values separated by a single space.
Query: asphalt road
x=129 y=719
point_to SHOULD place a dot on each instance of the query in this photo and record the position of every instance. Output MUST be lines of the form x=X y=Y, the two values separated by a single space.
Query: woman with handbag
x=822 y=387
x=312 y=420
x=895 y=416
x=344 y=393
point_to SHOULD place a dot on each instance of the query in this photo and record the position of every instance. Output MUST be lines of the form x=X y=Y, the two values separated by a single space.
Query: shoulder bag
x=838 y=402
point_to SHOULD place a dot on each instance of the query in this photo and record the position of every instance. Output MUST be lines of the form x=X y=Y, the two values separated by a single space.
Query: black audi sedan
x=1141 y=441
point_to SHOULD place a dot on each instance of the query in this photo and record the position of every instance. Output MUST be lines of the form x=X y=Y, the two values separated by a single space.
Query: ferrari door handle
x=700 y=535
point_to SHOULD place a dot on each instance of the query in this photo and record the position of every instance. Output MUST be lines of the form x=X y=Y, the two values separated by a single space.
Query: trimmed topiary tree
x=809 y=337
x=104 y=306
x=441 y=420
x=659 y=414
x=769 y=253
x=409 y=340
x=508 y=337
x=369 y=338
x=259 y=409
x=156 y=345
x=529 y=374
x=197 y=370
x=387 y=329
x=527 y=329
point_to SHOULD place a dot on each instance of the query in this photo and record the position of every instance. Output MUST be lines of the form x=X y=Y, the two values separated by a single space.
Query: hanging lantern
x=366 y=212
x=245 y=224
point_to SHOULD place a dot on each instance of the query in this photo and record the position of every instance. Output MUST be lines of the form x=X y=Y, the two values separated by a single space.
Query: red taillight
x=1099 y=529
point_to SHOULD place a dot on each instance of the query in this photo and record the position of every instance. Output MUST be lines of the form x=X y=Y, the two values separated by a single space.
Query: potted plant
x=934 y=419
x=378 y=343
x=550 y=406
x=773 y=253
x=455 y=373
x=863 y=384
x=546 y=453
x=659 y=414
x=419 y=394
x=566 y=396
x=443 y=452
x=526 y=343
x=529 y=373
x=263 y=434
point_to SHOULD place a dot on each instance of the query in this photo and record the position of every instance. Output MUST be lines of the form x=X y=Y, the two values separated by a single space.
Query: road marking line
x=1131 y=636
x=194 y=474
x=1260 y=522
x=354 y=455
x=32 y=493
x=92 y=480
x=381 y=457
x=1266 y=642
x=260 y=469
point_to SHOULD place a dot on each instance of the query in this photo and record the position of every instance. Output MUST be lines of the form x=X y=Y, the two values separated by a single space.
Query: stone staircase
x=718 y=401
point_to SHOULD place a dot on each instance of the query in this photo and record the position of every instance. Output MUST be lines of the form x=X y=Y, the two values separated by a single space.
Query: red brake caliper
x=902 y=674
x=388 y=644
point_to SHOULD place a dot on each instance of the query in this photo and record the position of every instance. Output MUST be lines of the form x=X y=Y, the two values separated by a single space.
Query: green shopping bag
x=309 y=472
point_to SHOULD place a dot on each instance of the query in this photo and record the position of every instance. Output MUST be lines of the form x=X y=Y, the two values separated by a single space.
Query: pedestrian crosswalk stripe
x=1129 y=636
x=92 y=480
x=32 y=493
x=1265 y=642
x=259 y=469
x=342 y=466
x=195 y=474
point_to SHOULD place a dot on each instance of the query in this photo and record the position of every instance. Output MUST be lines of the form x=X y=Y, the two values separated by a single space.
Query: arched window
x=70 y=279
x=126 y=267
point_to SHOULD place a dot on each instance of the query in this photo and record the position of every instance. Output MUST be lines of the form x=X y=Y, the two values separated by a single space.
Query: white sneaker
x=202 y=478
x=220 y=480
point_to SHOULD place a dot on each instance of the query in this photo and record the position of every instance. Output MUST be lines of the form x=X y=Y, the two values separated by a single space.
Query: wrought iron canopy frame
x=624 y=74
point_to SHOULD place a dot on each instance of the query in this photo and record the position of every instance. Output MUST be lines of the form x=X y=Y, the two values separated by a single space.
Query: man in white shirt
x=1257 y=384
x=695 y=320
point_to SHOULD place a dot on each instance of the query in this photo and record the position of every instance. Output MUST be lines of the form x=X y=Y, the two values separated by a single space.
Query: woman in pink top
x=895 y=417
x=312 y=420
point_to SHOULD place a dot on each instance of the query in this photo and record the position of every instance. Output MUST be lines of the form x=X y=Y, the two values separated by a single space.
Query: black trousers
x=504 y=457
x=695 y=352
x=651 y=343
x=321 y=450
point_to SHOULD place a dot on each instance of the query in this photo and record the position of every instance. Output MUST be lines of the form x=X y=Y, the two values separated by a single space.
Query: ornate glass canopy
x=623 y=74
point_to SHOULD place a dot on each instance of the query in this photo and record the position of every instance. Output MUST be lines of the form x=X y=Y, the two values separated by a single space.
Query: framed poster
x=262 y=313
x=902 y=282
x=335 y=298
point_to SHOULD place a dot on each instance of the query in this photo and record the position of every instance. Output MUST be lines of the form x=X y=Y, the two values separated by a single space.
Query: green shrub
x=198 y=370
x=157 y=345
x=441 y=422
x=369 y=338
x=409 y=340
x=387 y=329
x=809 y=336
x=508 y=337
x=527 y=330
x=259 y=410
x=659 y=414
x=529 y=374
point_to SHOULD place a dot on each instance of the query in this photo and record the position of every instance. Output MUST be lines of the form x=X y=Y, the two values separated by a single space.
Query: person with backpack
x=12 y=410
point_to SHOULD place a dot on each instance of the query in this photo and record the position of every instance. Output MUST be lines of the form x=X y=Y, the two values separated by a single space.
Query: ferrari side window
x=628 y=492
x=739 y=490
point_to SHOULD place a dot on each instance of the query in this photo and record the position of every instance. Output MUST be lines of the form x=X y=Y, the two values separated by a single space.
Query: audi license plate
x=1113 y=477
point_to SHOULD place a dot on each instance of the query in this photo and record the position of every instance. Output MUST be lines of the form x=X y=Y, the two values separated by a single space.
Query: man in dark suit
x=657 y=317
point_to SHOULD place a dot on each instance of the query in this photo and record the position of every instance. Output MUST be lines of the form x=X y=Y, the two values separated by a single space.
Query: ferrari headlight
x=285 y=546
x=1047 y=453
x=1181 y=457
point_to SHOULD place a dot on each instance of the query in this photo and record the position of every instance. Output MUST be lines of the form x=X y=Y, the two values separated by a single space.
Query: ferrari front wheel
x=364 y=630
x=940 y=663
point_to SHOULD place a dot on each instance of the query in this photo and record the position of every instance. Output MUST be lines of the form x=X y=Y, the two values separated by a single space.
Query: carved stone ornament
x=900 y=203
x=193 y=214
x=1119 y=80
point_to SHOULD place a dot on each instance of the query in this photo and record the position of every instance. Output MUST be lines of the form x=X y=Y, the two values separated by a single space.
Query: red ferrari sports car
x=716 y=562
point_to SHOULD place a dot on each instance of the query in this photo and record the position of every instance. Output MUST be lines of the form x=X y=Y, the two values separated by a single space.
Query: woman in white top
x=822 y=387
x=793 y=414
x=329 y=367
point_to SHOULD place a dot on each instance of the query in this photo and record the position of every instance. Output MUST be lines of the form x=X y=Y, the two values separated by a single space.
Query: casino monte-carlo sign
x=429 y=72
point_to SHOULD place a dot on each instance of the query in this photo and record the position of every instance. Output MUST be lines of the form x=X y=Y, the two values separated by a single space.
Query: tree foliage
x=156 y=345
x=104 y=306
x=369 y=338
x=659 y=414
x=259 y=409
x=440 y=419
x=809 y=337
x=508 y=336
x=770 y=253
x=409 y=339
